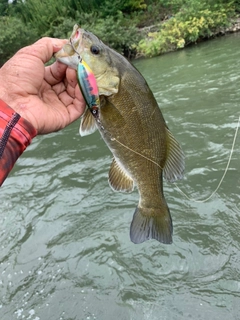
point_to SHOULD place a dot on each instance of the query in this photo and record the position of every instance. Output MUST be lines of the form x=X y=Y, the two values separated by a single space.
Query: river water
x=64 y=234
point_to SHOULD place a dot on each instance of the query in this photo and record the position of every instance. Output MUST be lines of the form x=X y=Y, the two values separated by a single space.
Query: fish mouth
x=69 y=54
x=76 y=52
x=76 y=40
x=66 y=51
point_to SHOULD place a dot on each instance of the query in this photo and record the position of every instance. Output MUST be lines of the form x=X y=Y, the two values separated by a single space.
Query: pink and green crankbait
x=88 y=86
x=87 y=83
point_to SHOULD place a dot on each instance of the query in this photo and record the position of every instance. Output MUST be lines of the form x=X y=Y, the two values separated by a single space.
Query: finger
x=65 y=98
x=55 y=73
x=67 y=95
x=71 y=76
x=73 y=89
x=76 y=110
x=67 y=88
x=44 y=48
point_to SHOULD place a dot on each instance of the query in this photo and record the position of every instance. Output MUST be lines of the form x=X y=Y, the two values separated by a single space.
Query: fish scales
x=132 y=125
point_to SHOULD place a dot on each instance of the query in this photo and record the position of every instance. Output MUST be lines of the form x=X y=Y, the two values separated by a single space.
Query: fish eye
x=95 y=49
x=94 y=111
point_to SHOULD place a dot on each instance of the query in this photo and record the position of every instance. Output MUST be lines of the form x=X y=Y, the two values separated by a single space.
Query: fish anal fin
x=119 y=179
x=152 y=223
x=175 y=164
x=88 y=124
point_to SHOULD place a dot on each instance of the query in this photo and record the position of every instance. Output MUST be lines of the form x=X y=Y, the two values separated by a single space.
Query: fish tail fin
x=151 y=224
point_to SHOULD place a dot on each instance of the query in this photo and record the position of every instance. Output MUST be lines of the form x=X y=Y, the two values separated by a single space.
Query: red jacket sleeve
x=16 y=134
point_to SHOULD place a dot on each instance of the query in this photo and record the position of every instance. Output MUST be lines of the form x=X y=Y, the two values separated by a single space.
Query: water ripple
x=65 y=247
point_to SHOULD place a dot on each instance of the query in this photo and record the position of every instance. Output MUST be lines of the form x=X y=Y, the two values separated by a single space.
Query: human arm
x=16 y=134
x=47 y=97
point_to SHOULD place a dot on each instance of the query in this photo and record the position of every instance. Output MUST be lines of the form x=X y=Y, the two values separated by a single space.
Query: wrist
x=19 y=105
x=8 y=98
x=15 y=135
x=7 y=112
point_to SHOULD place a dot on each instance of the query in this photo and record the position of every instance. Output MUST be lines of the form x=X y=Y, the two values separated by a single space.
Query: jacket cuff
x=16 y=133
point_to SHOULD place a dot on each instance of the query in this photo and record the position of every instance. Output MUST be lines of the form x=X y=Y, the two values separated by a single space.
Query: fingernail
x=57 y=45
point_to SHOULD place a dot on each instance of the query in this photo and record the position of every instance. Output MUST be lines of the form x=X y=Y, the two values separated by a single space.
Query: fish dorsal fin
x=175 y=164
x=118 y=178
x=88 y=124
x=108 y=83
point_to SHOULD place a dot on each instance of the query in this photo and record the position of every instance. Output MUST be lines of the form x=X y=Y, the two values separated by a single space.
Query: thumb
x=44 y=48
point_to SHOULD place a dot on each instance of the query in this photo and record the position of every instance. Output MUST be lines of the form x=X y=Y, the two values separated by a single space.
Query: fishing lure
x=88 y=86
x=87 y=83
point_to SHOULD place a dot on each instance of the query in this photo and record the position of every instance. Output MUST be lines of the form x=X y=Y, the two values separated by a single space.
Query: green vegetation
x=196 y=20
x=142 y=27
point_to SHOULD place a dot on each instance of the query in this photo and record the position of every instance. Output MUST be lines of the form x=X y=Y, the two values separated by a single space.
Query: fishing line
x=141 y=155
x=223 y=176
x=79 y=57
x=178 y=188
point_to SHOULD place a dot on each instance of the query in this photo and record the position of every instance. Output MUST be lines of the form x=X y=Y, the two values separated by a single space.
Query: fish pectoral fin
x=175 y=163
x=119 y=179
x=88 y=124
x=151 y=223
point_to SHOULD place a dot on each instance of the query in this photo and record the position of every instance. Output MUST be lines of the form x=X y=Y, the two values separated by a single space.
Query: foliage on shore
x=132 y=27
x=195 y=21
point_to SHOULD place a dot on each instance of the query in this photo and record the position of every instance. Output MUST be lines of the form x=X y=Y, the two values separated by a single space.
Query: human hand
x=48 y=97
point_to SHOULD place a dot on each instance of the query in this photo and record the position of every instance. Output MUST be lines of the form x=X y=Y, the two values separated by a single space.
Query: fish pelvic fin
x=119 y=179
x=88 y=124
x=175 y=163
x=155 y=224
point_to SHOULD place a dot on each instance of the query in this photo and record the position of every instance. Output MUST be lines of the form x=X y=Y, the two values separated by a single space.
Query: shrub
x=16 y=35
x=195 y=21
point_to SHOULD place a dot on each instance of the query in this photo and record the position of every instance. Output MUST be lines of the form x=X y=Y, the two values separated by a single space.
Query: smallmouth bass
x=132 y=125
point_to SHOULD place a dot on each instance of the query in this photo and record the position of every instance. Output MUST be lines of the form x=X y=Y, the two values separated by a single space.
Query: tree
x=15 y=36
x=3 y=7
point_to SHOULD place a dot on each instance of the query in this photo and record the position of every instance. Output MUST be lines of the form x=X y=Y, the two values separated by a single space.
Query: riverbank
x=139 y=28
x=177 y=33
x=235 y=27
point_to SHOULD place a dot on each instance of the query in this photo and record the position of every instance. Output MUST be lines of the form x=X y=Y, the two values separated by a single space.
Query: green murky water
x=64 y=235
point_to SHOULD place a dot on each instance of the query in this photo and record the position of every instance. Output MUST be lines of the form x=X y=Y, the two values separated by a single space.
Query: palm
x=48 y=97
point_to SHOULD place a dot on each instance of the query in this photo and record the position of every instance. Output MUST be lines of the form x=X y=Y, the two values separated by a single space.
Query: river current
x=64 y=234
